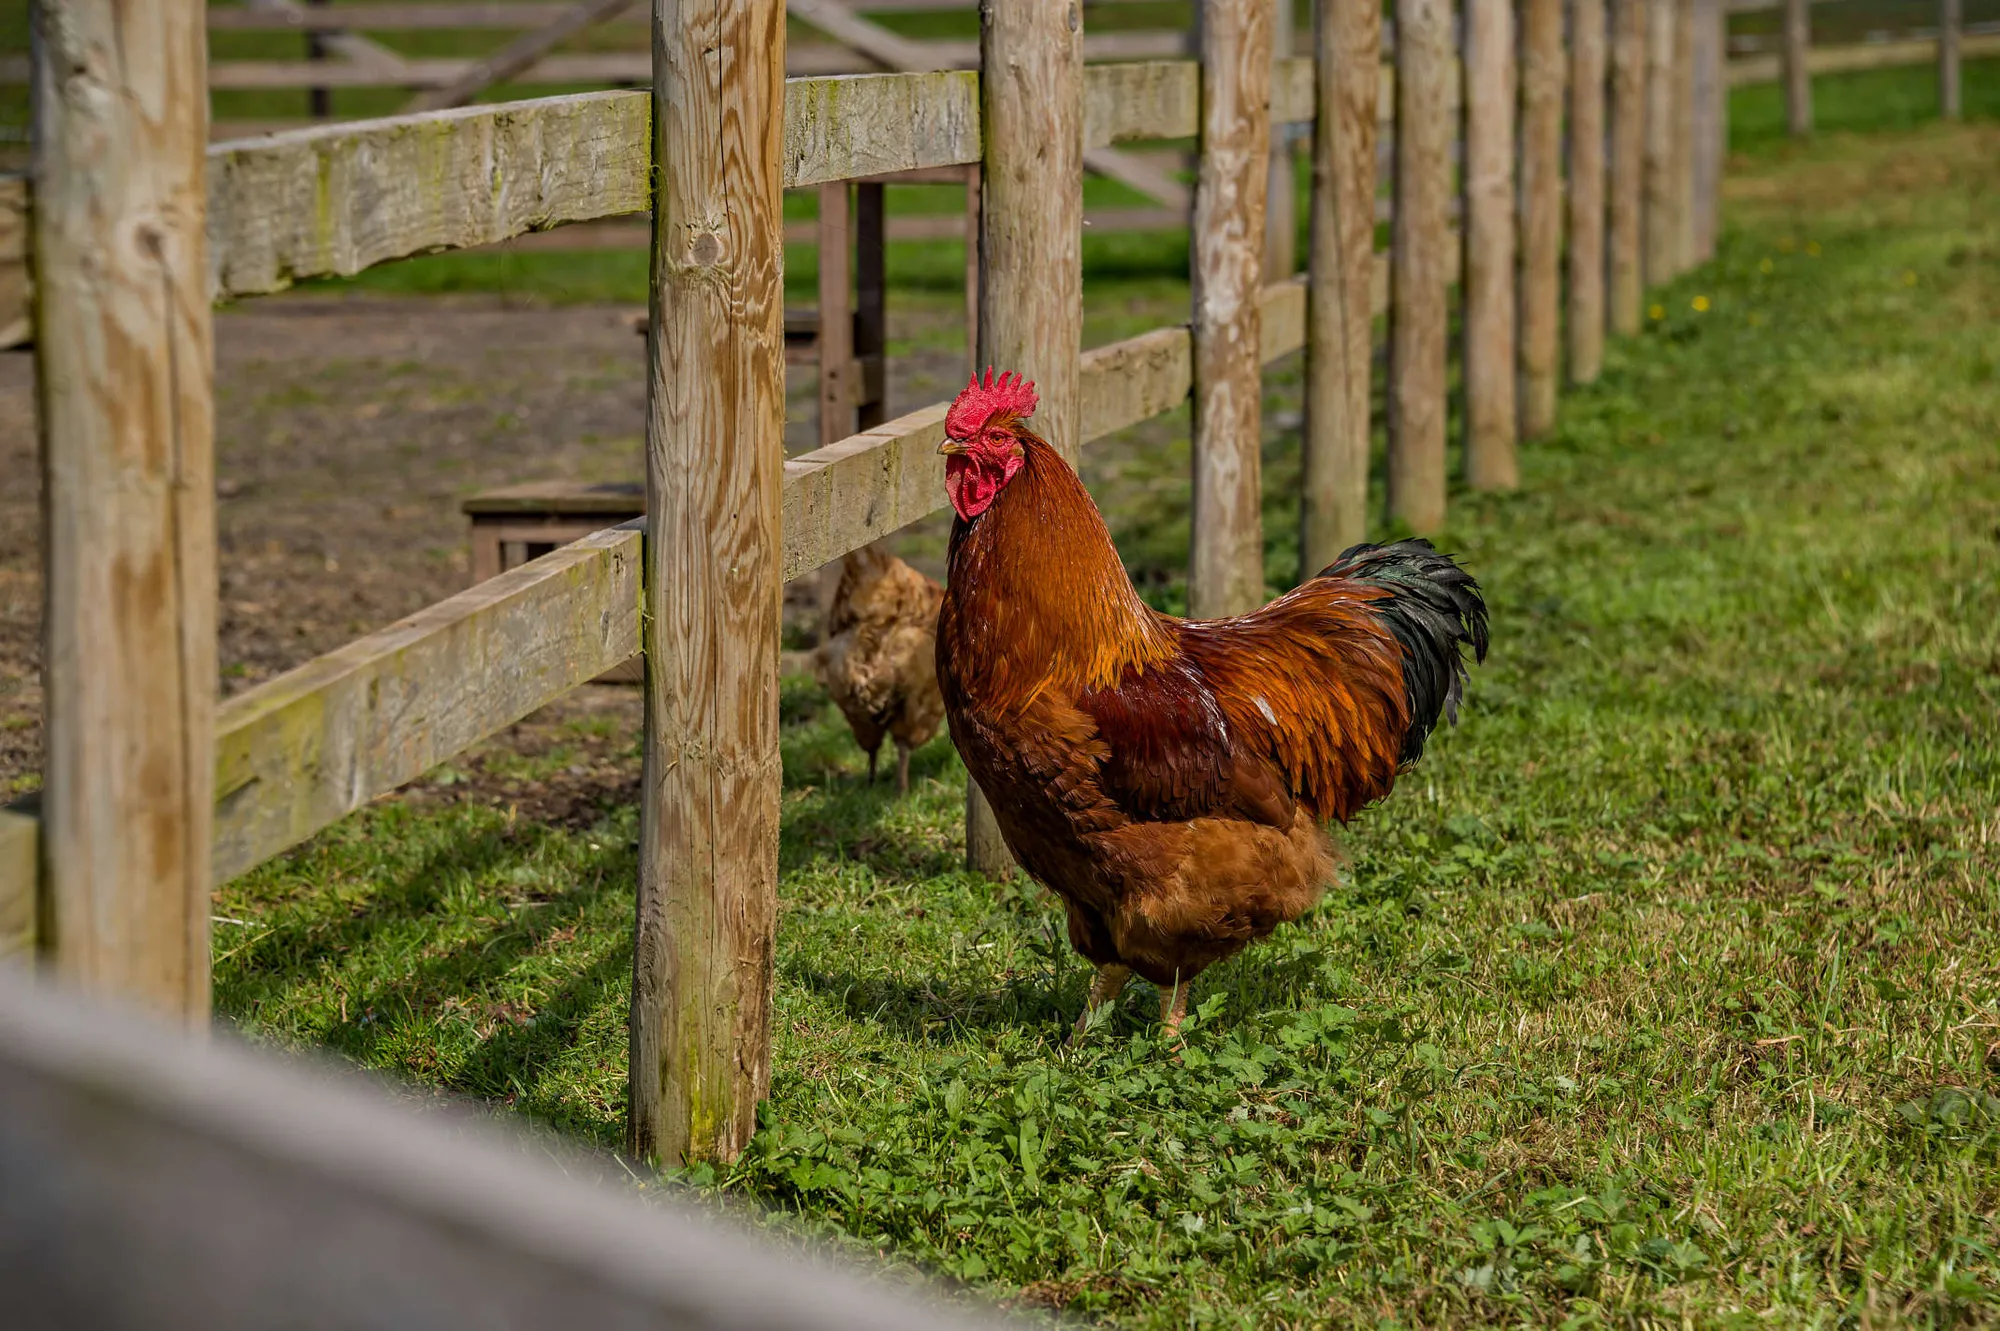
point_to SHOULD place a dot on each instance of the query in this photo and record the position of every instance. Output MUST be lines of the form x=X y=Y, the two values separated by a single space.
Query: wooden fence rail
x=150 y=1179
x=728 y=518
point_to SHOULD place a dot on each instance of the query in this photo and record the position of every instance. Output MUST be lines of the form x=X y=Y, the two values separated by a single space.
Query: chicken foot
x=1104 y=988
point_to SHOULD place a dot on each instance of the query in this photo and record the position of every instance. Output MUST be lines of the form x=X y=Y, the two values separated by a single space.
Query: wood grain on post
x=1031 y=246
x=1489 y=322
x=1226 y=548
x=1543 y=74
x=1340 y=312
x=1281 y=209
x=1795 y=52
x=1420 y=239
x=836 y=314
x=715 y=456
x=1625 y=172
x=124 y=355
x=1951 y=23
x=1709 y=127
x=1660 y=236
x=1586 y=190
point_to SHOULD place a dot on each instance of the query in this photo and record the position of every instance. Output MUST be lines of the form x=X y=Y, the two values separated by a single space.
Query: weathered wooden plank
x=15 y=282
x=1226 y=546
x=337 y=200
x=1341 y=282
x=1161 y=99
x=1491 y=417
x=1543 y=75
x=870 y=124
x=301 y=751
x=235 y=1190
x=1795 y=58
x=1625 y=174
x=1585 y=324
x=124 y=357
x=1862 y=55
x=715 y=455
x=384 y=18
x=1419 y=241
x=837 y=378
x=20 y=871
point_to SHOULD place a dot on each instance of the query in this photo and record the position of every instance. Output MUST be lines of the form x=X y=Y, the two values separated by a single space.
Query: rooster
x=876 y=657
x=1171 y=779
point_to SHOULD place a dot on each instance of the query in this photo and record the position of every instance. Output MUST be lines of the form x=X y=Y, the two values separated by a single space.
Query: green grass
x=1666 y=991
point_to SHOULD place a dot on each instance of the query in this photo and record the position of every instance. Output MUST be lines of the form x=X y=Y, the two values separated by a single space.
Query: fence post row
x=1347 y=51
x=1226 y=561
x=1950 y=22
x=124 y=354
x=1031 y=246
x=1418 y=254
x=715 y=453
x=1491 y=414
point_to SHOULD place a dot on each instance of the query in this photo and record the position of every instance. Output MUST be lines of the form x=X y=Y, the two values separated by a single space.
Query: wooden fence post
x=1281 y=209
x=1660 y=236
x=836 y=314
x=125 y=356
x=1625 y=175
x=1031 y=245
x=1490 y=311
x=1710 y=125
x=1682 y=162
x=1543 y=74
x=1586 y=191
x=1419 y=235
x=1795 y=62
x=1226 y=552
x=715 y=453
x=1340 y=353
x=1950 y=22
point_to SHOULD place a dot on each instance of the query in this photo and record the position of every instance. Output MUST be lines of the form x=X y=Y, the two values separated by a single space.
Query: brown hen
x=1170 y=779
x=878 y=655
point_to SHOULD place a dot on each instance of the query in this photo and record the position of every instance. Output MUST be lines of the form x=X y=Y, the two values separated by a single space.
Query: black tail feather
x=1434 y=609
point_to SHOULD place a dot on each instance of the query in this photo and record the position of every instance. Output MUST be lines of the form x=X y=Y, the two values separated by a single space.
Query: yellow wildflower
x=1656 y=311
x=1812 y=248
x=1765 y=266
x=1909 y=279
x=1700 y=304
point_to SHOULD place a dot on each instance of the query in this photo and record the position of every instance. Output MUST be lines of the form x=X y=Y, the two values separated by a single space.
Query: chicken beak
x=952 y=448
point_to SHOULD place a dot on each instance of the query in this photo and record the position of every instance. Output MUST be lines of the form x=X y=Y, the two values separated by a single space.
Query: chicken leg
x=1104 y=988
x=1173 y=1008
x=902 y=768
x=873 y=754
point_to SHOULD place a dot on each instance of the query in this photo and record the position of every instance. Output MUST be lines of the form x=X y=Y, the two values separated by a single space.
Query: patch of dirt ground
x=348 y=432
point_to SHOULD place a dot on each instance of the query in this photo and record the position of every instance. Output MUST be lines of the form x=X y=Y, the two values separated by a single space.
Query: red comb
x=977 y=404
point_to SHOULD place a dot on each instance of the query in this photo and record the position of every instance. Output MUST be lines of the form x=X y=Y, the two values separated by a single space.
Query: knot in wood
x=706 y=249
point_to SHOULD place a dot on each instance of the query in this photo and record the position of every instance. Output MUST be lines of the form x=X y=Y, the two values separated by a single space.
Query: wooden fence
x=150 y=1179
x=153 y=793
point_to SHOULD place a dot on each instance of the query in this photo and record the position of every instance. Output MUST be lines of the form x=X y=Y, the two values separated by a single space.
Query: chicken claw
x=1109 y=983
